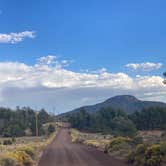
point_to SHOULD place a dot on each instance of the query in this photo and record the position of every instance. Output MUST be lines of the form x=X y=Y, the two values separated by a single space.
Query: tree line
x=107 y=120
x=150 y=119
x=117 y=122
x=21 y=121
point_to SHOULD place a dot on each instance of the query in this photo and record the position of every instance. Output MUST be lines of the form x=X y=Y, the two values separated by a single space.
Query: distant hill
x=127 y=103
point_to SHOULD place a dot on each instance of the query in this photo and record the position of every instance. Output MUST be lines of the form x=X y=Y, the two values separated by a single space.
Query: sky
x=60 y=54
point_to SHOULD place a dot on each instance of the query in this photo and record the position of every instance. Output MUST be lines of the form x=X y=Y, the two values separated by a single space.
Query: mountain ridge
x=127 y=103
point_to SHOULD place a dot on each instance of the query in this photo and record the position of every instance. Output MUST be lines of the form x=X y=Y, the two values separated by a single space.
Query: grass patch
x=25 y=151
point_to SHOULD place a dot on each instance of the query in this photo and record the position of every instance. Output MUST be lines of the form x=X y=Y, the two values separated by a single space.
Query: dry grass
x=37 y=143
x=152 y=136
x=91 y=139
x=119 y=150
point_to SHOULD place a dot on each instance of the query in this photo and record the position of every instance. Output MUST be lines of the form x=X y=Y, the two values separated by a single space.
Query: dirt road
x=61 y=152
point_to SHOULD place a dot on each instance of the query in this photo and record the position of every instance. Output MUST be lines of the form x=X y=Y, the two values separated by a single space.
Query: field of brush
x=23 y=151
x=146 y=148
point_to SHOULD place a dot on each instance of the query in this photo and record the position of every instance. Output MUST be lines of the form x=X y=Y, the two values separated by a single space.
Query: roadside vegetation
x=24 y=151
x=138 y=138
x=18 y=144
x=145 y=149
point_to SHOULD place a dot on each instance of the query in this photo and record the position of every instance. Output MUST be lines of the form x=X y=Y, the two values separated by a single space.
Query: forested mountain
x=127 y=103
x=120 y=115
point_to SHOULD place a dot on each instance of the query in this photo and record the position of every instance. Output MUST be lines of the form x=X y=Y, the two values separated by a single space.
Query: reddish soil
x=62 y=152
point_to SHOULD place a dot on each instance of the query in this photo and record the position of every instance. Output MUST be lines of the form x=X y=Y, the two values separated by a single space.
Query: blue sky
x=96 y=33
x=93 y=34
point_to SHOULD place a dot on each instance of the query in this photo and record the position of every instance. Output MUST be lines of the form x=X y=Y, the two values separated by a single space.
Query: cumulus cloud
x=13 y=38
x=45 y=84
x=52 y=60
x=148 y=66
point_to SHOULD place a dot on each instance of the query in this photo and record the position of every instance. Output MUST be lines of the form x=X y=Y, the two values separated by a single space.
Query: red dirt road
x=61 y=152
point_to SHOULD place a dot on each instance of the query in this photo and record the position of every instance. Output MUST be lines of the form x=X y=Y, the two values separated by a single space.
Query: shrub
x=138 y=155
x=137 y=140
x=13 y=139
x=163 y=148
x=140 y=160
x=154 y=161
x=152 y=155
x=9 y=161
x=28 y=150
x=130 y=157
x=119 y=140
x=154 y=150
x=51 y=129
x=140 y=149
x=7 y=142
x=117 y=144
x=163 y=135
x=22 y=157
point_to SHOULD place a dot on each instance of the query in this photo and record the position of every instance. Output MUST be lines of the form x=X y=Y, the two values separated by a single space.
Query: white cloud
x=13 y=38
x=148 y=66
x=45 y=84
x=51 y=61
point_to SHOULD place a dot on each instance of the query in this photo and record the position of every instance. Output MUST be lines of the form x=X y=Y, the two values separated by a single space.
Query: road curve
x=61 y=152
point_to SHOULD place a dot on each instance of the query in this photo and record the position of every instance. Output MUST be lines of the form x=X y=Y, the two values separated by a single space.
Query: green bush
x=13 y=139
x=117 y=144
x=7 y=142
x=138 y=155
x=51 y=129
x=130 y=157
x=13 y=130
x=140 y=149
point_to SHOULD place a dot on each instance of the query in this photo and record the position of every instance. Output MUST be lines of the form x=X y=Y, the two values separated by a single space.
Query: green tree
x=51 y=129
x=13 y=130
x=122 y=126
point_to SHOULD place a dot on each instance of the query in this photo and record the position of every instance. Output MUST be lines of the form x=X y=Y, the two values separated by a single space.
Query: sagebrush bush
x=140 y=160
x=163 y=148
x=138 y=155
x=154 y=161
x=9 y=161
x=152 y=155
x=130 y=157
x=28 y=150
x=116 y=142
x=119 y=140
x=154 y=150
x=119 y=146
x=7 y=142
x=22 y=158
x=140 y=149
